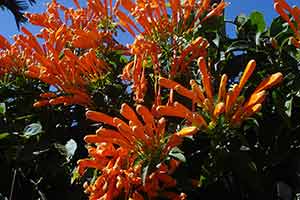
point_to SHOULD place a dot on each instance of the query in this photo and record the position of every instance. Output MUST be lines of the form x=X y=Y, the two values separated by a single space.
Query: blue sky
x=8 y=27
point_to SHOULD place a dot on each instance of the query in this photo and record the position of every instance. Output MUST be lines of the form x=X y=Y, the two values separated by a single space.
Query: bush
x=182 y=112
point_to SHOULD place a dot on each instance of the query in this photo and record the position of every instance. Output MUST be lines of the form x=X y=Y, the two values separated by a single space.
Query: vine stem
x=13 y=184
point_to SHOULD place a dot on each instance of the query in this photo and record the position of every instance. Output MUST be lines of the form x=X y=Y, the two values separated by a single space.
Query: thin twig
x=13 y=184
x=230 y=22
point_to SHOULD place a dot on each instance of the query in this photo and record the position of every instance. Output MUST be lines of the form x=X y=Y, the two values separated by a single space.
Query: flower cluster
x=162 y=28
x=12 y=57
x=68 y=58
x=153 y=17
x=229 y=104
x=125 y=151
x=284 y=10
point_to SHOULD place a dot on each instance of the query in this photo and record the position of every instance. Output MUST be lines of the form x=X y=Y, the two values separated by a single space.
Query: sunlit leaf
x=288 y=107
x=238 y=45
x=2 y=108
x=71 y=147
x=75 y=175
x=33 y=129
x=178 y=154
x=145 y=170
x=67 y=150
x=216 y=41
x=257 y=19
x=241 y=20
x=3 y=135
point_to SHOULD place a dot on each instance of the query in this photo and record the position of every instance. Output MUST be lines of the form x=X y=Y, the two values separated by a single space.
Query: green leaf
x=288 y=107
x=216 y=41
x=145 y=170
x=280 y=107
x=252 y=166
x=251 y=123
x=277 y=27
x=3 y=135
x=36 y=153
x=24 y=117
x=75 y=175
x=238 y=45
x=67 y=150
x=202 y=180
x=241 y=20
x=178 y=154
x=71 y=147
x=297 y=55
x=138 y=160
x=2 y=108
x=33 y=129
x=257 y=19
x=257 y=38
x=61 y=149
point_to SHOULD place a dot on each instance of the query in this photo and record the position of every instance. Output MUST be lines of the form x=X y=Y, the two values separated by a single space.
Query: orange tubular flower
x=284 y=10
x=12 y=57
x=67 y=58
x=159 y=28
x=228 y=104
x=154 y=18
x=119 y=152
x=4 y=44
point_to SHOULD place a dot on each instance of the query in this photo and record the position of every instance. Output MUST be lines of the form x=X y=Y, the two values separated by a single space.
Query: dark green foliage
x=17 y=8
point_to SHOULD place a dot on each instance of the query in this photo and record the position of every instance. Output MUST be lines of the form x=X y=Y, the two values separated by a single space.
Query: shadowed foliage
x=17 y=8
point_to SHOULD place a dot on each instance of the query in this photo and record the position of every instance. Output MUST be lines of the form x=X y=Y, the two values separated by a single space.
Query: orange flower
x=206 y=80
x=153 y=17
x=284 y=10
x=68 y=58
x=70 y=74
x=222 y=88
x=12 y=57
x=269 y=82
x=120 y=151
x=157 y=29
x=228 y=104
x=4 y=44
